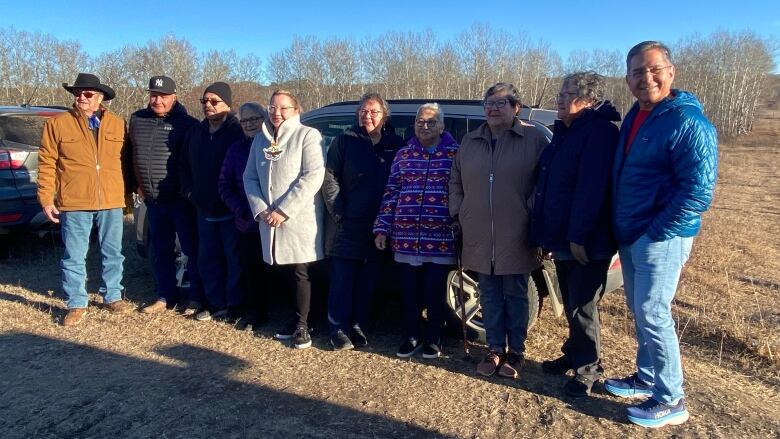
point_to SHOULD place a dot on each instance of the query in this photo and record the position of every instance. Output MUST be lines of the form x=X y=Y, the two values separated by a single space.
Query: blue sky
x=263 y=27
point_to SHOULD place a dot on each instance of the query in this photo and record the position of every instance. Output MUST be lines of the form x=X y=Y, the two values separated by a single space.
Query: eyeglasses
x=431 y=123
x=86 y=93
x=654 y=71
x=500 y=103
x=251 y=120
x=273 y=108
x=373 y=113
x=214 y=102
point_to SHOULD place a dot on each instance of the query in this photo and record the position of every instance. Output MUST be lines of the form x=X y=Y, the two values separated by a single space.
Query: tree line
x=726 y=70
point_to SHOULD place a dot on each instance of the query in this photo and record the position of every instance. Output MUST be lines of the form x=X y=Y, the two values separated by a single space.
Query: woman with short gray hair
x=571 y=219
x=254 y=306
x=414 y=217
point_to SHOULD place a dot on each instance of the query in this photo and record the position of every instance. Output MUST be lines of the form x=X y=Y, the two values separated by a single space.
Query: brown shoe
x=158 y=306
x=512 y=365
x=74 y=316
x=490 y=364
x=120 y=307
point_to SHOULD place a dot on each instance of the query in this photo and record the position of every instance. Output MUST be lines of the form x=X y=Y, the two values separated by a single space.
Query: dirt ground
x=167 y=376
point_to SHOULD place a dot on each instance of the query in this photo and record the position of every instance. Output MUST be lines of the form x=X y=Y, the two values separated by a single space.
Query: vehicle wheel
x=474 y=309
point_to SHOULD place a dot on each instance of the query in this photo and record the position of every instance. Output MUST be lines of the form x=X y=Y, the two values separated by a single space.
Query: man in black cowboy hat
x=155 y=140
x=80 y=182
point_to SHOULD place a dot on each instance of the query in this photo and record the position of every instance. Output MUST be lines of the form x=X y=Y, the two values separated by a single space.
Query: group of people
x=256 y=192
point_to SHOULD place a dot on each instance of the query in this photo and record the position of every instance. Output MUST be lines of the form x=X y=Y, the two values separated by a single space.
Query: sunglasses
x=86 y=93
x=211 y=101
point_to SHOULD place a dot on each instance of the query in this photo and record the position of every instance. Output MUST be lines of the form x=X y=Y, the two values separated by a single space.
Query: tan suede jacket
x=74 y=171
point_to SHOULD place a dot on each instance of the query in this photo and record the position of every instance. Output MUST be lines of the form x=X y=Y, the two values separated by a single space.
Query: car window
x=22 y=128
x=332 y=126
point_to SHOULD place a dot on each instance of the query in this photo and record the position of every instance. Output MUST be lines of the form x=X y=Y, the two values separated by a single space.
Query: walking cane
x=461 y=293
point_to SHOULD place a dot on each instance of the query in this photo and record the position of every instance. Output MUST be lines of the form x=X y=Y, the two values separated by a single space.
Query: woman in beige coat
x=491 y=180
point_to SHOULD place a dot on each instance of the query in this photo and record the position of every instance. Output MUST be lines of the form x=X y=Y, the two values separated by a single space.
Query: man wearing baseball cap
x=155 y=138
x=80 y=183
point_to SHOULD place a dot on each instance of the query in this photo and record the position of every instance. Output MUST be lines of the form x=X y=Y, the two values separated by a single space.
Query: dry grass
x=165 y=376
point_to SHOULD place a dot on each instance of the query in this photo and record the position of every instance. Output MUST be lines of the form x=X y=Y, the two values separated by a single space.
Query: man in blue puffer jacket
x=663 y=180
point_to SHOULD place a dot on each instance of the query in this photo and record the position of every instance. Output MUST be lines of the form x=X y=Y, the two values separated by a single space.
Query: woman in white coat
x=282 y=181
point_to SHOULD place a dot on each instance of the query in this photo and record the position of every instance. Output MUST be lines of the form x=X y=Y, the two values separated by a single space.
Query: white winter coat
x=291 y=184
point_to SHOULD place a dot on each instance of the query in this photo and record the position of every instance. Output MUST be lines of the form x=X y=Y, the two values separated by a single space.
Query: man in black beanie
x=218 y=262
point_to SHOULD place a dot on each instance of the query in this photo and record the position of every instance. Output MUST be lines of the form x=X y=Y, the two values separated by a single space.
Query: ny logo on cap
x=158 y=82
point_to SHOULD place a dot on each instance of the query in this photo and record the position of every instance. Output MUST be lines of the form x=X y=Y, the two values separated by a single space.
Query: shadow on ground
x=52 y=388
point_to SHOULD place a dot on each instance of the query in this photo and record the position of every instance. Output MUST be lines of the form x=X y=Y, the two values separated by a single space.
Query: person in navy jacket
x=356 y=170
x=571 y=219
x=663 y=180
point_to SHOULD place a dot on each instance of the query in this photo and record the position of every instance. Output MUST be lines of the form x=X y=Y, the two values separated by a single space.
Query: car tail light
x=10 y=217
x=12 y=159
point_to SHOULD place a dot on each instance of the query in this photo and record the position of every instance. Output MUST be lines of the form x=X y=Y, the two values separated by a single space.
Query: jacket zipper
x=151 y=153
x=491 y=178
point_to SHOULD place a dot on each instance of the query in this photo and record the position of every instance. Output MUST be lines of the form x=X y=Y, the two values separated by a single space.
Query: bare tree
x=727 y=71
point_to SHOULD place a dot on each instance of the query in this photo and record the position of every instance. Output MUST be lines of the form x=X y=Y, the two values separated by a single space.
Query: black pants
x=254 y=272
x=298 y=276
x=582 y=287
x=424 y=287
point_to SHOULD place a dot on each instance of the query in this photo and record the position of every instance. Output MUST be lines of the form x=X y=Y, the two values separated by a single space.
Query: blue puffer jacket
x=571 y=200
x=665 y=182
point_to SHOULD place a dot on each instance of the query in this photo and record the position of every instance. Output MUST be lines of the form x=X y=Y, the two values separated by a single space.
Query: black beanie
x=222 y=90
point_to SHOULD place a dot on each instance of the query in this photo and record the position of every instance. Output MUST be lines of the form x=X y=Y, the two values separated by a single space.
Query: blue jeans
x=167 y=219
x=352 y=284
x=76 y=227
x=218 y=263
x=504 y=300
x=651 y=271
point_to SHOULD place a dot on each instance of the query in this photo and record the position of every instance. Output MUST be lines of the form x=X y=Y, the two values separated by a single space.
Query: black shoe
x=222 y=315
x=431 y=351
x=287 y=331
x=301 y=338
x=558 y=366
x=341 y=342
x=256 y=319
x=358 y=337
x=408 y=348
x=578 y=387
x=235 y=314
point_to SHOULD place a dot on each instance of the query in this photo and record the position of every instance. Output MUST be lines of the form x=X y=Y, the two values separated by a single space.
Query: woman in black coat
x=356 y=171
x=571 y=219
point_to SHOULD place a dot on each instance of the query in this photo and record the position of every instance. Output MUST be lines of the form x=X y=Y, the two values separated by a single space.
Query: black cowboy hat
x=91 y=82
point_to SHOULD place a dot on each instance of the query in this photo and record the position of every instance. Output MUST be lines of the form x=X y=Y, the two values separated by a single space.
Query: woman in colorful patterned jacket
x=415 y=215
